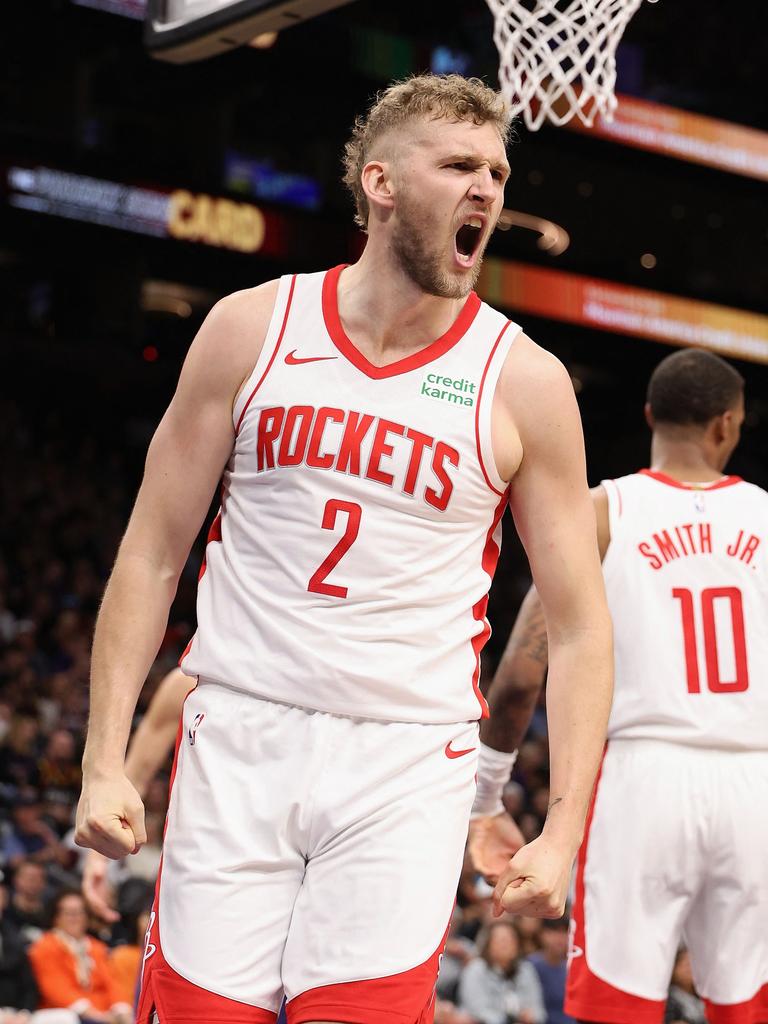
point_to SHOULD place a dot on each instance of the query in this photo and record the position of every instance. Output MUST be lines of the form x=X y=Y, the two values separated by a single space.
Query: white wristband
x=494 y=768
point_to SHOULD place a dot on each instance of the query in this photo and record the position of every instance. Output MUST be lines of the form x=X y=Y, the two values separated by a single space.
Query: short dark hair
x=693 y=386
x=58 y=898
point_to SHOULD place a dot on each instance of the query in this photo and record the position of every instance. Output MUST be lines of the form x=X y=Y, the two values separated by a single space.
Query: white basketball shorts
x=306 y=854
x=676 y=850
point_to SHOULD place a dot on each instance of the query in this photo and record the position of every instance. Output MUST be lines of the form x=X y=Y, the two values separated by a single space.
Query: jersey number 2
x=333 y=506
x=708 y=598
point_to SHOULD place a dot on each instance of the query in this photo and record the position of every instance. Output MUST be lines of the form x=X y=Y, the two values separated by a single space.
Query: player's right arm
x=184 y=464
x=148 y=749
x=512 y=698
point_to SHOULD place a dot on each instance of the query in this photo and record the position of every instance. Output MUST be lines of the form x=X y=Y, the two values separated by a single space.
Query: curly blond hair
x=433 y=96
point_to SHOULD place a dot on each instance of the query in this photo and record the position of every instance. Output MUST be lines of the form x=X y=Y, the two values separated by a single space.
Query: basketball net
x=557 y=58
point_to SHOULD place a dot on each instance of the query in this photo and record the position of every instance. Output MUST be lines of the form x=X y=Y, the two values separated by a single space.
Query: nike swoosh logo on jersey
x=293 y=360
x=450 y=752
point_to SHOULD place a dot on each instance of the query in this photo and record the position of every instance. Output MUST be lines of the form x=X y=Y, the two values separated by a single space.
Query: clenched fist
x=110 y=816
x=536 y=880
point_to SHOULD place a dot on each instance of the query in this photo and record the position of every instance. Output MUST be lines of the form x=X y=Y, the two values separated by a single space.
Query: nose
x=483 y=188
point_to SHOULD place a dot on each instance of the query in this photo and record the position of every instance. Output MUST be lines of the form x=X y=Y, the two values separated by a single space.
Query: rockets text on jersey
x=348 y=569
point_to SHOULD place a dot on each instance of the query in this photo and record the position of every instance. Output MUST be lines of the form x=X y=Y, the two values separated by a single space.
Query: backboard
x=182 y=31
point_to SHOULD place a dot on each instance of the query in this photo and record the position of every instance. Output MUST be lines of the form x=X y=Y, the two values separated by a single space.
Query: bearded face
x=425 y=249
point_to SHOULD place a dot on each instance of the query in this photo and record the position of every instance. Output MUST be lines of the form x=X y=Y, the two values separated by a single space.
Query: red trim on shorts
x=479 y=609
x=404 y=998
x=425 y=355
x=272 y=357
x=479 y=404
x=727 y=481
x=588 y=997
x=753 y=1011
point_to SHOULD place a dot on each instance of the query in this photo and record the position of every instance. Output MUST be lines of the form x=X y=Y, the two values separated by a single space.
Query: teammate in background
x=677 y=845
x=371 y=424
x=147 y=752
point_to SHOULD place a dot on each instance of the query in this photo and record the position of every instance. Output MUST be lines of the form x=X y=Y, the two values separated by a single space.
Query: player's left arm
x=555 y=519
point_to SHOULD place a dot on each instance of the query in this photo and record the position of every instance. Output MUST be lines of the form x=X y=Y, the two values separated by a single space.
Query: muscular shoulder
x=238 y=323
x=228 y=344
x=531 y=374
x=536 y=391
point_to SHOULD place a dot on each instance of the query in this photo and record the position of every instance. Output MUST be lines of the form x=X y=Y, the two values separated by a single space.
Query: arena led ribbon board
x=182 y=31
x=683 y=135
x=623 y=309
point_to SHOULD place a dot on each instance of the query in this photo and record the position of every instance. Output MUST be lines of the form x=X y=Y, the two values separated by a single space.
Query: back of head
x=421 y=96
x=691 y=387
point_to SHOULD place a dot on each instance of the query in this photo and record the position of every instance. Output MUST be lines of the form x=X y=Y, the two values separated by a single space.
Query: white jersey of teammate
x=687 y=584
x=349 y=566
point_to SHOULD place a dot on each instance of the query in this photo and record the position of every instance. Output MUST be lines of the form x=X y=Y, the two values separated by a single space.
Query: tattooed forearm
x=533 y=642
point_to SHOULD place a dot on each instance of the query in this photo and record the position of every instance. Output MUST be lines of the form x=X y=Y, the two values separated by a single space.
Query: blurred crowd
x=64 y=499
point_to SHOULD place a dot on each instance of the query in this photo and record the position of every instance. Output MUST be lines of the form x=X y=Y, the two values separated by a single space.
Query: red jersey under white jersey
x=687 y=585
x=348 y=569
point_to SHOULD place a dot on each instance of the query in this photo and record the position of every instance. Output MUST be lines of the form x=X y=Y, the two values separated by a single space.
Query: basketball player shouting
x=677 y=844
x=371 y=424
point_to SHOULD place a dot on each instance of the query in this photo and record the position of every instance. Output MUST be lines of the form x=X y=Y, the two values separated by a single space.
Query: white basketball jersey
x=348 y=569
x=687 y=585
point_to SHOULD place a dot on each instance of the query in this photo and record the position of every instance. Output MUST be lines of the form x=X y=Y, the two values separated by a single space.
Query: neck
x=686 y=461
x=387 y=314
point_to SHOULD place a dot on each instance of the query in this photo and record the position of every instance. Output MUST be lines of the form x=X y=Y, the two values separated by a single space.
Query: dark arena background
x=136 y=191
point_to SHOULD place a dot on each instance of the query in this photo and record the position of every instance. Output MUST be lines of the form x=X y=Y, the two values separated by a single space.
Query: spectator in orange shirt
x=72 y=969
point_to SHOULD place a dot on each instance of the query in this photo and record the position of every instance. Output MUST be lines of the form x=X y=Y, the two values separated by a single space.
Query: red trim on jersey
x=618 y=495
x=272 y=357
x=177 y=1000
x=214 y=535
x=727 y=481
x=479 y=404
x=588 y=997
x=752 y=1011
x=490 y=561
x=425 y=355
x=404 y=998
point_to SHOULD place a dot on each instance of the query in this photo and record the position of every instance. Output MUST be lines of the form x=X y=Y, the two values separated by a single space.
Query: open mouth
x=468 y=240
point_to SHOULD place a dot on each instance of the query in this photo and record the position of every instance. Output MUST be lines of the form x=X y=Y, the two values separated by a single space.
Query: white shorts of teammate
x=308 y=854
x=676 y=851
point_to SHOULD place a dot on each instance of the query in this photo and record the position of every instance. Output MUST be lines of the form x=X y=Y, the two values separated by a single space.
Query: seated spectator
x=18 y=991
x=551 y=964
x=60 y=775
x=28 y=836
x=499 y=987
x=18 y=755
x=683 y=1005
x=72 y=969
x=26 y=910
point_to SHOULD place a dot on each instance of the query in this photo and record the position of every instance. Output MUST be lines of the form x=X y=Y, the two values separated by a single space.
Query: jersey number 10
x=708 y=598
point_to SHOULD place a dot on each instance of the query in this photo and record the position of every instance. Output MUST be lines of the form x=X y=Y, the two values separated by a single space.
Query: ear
x=649 y=416
x=376 y=180
x=722 y=426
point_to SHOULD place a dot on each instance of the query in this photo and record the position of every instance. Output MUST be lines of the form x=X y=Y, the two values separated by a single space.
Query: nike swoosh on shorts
x=450 y=752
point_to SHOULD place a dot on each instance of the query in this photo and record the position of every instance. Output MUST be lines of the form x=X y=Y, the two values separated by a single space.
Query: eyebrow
x=473 y=158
